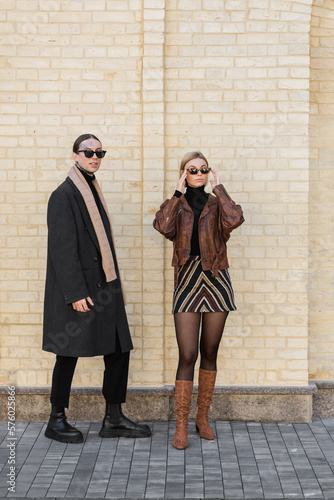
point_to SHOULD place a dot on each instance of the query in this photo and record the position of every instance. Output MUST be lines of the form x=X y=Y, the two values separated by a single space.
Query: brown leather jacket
x=219 y=217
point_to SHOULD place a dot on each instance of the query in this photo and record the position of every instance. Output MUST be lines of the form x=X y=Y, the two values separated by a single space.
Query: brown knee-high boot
x=183 y=392
x=206 y=384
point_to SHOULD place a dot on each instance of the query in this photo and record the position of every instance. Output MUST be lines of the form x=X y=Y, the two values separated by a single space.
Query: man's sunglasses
x=194 y=171
x=89 y=153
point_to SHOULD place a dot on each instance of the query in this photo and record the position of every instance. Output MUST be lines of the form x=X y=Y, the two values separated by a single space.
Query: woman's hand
x=181 y=185
x=216 y=180
x=81 y=305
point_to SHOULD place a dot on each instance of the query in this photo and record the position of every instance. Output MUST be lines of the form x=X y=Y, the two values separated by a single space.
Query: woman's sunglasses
x=89 y=153
x=194 y=171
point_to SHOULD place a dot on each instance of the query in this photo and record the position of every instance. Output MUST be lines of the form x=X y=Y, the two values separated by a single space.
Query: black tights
x=187 y=326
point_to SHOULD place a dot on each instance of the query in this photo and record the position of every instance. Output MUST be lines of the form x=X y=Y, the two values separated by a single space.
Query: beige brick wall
x=237 y=79
x=321 y=295
x=69 y=68
x=155 y=79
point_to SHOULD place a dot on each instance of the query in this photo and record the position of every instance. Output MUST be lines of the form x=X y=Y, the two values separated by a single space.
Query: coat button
x=98 y=285
x=86 y=228
x=95 y=259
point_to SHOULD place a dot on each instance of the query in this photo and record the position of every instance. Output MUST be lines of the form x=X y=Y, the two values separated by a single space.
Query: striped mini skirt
x=200 y=291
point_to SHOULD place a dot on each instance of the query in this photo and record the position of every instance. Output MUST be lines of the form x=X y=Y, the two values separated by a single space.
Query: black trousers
x=115 y=379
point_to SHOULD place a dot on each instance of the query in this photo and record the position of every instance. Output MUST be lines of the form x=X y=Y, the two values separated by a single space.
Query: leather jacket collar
x=211 y=202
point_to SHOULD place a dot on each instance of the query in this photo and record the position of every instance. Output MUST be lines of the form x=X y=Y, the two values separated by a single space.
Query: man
x=84 y=311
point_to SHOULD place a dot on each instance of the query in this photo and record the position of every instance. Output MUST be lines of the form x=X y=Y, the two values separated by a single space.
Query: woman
x=199 y=224
x=84 y=313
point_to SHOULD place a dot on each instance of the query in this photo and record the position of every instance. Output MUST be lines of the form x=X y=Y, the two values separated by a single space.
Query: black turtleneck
x=197 y=198
x=104 y=217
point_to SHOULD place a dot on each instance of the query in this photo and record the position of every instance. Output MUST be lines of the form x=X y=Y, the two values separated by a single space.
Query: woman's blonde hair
x=190 y=156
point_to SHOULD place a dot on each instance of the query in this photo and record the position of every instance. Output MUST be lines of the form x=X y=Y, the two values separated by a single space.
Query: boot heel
x=197 y=429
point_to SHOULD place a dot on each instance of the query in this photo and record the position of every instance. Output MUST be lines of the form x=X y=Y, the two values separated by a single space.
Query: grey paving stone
x=247 y=460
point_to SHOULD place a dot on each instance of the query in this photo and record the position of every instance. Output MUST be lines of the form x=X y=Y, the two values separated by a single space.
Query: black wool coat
x=74 y=272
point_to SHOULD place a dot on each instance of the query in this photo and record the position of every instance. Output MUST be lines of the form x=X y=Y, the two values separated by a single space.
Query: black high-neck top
x=197 y=198
x=104 y=217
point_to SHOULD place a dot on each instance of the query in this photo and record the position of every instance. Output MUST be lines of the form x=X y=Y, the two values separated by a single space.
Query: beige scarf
x=80 y=182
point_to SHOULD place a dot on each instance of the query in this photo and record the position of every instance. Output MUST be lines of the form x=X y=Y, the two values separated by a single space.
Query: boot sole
x=115 y=433
x=52 y=435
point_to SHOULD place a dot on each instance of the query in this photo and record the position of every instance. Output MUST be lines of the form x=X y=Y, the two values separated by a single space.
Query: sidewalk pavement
x=247 y=460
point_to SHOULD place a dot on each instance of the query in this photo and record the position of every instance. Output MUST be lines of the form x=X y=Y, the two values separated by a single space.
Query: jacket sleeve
x=165 y=218
x=231 y=215
x=63 y=248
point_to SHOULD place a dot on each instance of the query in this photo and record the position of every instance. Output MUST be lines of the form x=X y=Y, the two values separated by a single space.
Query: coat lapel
x=85 y=215
x=212 y=202
x=185 y=204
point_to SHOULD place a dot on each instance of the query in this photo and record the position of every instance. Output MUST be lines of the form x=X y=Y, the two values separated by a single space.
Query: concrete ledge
x=248 y=403
x=323 y=400
x=168 y=390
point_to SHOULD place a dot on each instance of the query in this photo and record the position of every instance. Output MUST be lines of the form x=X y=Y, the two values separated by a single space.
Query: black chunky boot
x=60 y=430
x=115 y=424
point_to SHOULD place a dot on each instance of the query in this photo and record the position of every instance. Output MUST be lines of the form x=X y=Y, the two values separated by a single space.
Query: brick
x=236 y=85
